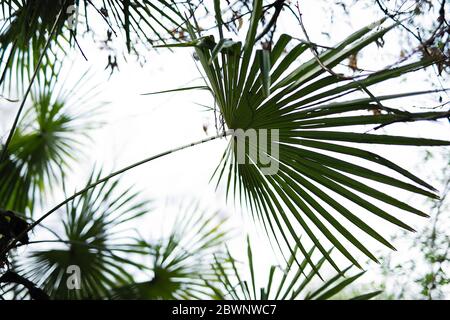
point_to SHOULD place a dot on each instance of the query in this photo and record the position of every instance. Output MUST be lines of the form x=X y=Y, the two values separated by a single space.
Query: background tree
x=426 y=275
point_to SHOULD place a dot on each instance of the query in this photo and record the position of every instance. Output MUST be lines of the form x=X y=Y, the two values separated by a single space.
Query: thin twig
x=103 y=17
x=278 y=5
x=330 y=71
x=8 y=99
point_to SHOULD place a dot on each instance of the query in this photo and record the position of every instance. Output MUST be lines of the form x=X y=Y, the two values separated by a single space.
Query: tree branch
x=278 y=5
x=330 y=71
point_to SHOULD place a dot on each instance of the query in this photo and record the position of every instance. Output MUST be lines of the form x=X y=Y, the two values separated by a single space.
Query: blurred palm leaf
x=26 y=25
x=90 y=238
x=49 y=136
x=289 y=283
x=146 y=19
x=182 y=261
x=257 y=89
x=23 y=37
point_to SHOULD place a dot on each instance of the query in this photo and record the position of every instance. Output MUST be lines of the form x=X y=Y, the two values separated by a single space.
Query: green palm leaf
x=50 y=135
x=92 y=238
x=25 y=27
x=288 y=283
x=181 y=262
x=263 y=90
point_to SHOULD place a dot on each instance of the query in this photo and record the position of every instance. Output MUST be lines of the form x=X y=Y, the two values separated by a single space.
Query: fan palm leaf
x=49 y=136
x=181 y=262
x=292 y=282
x=264 y=90
x=24 y=32
x=90 y=239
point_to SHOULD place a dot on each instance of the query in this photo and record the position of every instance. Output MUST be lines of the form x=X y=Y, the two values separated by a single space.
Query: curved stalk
x=100 y=181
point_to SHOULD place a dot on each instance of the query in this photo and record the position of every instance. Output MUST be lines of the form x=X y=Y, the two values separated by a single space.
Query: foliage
x=90 y=239
x=34 y=292
x=288 y=283
x=424 y=22
x=11 y=226
x=28 y=26
x=423 y=29
x=181 y=262
x=426 y=275
x=261 y=89
x=278 y=87
x=49 y=136
x=111 y=264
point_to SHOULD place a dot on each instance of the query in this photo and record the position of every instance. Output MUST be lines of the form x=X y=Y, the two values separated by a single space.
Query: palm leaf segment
x=264 y=90
x=93 y=239
x=290 y=283
x=182 y=261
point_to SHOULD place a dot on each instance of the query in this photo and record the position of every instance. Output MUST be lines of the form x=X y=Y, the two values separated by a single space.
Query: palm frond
x=90 y=239
x=266 y=90
x=49 y=137
x=25 y=27
x=150 y=21
x=23 y=37
x=181 y=262
x=289 y=283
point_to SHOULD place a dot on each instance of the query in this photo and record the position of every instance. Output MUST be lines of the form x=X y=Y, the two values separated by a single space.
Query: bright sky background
x=138 y=126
